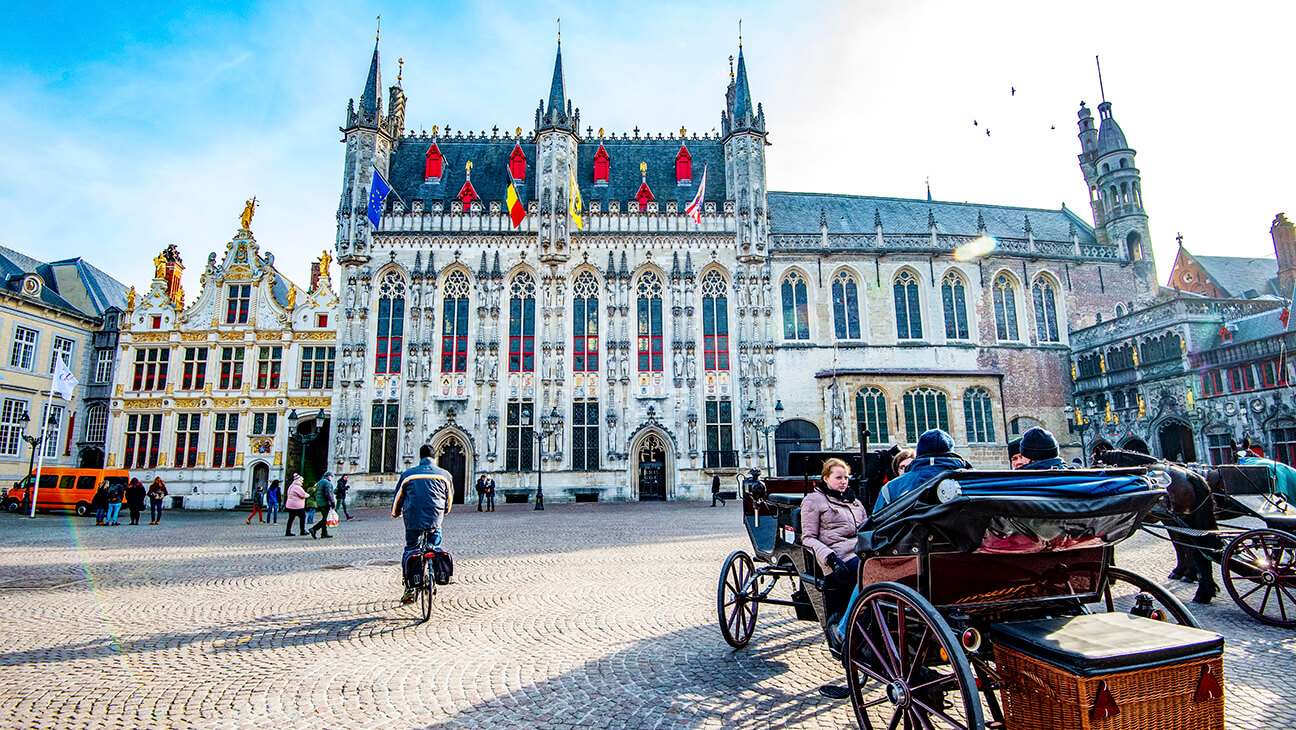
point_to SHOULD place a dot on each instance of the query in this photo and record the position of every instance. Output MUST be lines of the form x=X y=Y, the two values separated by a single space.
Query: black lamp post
x=758 y=422
x=549 y=426
x=303 y=439
x=34 y=442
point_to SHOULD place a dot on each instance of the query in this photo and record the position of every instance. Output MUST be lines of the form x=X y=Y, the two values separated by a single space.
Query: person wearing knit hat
x=935 y=454
x=1015 y=458
x=1040 y=448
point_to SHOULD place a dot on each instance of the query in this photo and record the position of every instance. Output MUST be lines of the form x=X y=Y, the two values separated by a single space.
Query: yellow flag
x=575 y=203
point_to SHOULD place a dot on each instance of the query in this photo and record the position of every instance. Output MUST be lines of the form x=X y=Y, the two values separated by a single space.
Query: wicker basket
x=1039 y=696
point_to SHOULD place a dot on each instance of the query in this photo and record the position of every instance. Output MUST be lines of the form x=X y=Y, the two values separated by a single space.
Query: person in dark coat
x=325 y=498
x=1040 y=448
x=341 y=494
x=135 y=494
x=100 y=503
x=115 y=493
x=156 y=493
x=715 y=490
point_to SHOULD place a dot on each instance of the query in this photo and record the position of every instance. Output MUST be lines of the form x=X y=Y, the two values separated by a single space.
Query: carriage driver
x=1039 y=449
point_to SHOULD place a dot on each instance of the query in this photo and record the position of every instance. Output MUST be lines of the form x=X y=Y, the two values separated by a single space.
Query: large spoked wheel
x=1123 y=591
x=1260 y=574
x=427 y=589
x=736 y=610
x=904 y=666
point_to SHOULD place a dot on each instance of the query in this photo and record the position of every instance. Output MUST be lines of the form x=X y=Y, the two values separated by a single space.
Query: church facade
x=629 y=351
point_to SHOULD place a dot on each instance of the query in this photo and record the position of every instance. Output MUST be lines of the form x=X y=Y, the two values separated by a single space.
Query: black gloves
x=837 y=564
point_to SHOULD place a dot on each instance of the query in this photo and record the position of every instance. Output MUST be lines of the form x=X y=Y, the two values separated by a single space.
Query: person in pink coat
x=295 y=503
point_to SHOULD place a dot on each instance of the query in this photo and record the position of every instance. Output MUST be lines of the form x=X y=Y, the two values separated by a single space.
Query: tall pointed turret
x=557 y=113
x=557 y=133
x=744 y=147
x=370 y=101
x=740 y=113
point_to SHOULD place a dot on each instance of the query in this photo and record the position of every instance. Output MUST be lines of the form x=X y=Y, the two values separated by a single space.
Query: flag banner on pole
x=694 y=209
x=576 y=203
x=516 y=211
x=64 y=381
x=377 y=194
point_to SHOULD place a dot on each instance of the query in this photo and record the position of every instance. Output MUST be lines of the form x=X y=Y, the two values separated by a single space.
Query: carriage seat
x=1266 y=510
x=785 y=501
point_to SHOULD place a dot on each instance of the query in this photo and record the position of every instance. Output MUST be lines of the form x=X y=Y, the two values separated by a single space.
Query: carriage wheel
x=1259 y=570
x=1124 y=587
x=921 y=677
x=737 y=612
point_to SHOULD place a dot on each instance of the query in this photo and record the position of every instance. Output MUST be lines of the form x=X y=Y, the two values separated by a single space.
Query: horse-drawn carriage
x=988 y=599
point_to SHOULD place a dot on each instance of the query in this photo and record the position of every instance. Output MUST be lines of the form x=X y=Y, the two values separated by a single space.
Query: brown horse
x=1190 y=504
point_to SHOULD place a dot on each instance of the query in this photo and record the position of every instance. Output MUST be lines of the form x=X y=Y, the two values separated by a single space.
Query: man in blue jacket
x=423 y=498
x=935 y=454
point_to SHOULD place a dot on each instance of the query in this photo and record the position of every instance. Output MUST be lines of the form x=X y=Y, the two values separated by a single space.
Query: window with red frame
x=454 y=324
x=151 y=368
x=1241 y=378
x=585 y=324
x=683 y=165
x=143 y=441
x=601 y=165
x=650 y=323
x=225 y=440
x=522 y=324
x=517 y=163
x=188 y=429
x=1272 y=373
x=1212 y=382
x=238 y=303
x=1285 y=445
x=466 y=196
x=715 y=322
x=391 y=324
x=432 y=163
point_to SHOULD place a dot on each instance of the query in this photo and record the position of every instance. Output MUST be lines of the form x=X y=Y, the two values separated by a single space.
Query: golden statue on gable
x=159 y=264
x=249 y=209
x=324 y=261
x=292 y=297
x=130 y=299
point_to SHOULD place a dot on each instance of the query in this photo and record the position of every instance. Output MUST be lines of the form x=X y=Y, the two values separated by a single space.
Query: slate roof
x=490 y=173
x=799 y=213
x=100 y=288
x=1236 y=274
x=1255 y=327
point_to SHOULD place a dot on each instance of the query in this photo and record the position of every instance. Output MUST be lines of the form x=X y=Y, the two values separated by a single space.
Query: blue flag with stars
x=377 y=194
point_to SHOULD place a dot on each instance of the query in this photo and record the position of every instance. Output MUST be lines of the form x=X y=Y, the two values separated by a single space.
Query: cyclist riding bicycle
x=423 y=498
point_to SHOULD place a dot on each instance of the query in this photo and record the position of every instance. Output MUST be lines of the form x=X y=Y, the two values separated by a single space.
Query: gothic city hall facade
x=638 y=352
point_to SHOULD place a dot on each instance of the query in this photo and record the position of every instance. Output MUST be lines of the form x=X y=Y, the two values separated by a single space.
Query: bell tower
x=744 y=149
x=556 y=135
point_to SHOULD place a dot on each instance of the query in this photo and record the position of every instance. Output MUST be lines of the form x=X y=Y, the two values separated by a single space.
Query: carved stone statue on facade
x=355 y=443
x=490 y=439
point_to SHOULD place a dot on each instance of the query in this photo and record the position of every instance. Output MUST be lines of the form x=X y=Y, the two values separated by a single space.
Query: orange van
x=64 y=488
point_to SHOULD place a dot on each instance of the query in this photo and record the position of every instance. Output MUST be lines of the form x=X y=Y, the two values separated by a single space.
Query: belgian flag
x=517 y=212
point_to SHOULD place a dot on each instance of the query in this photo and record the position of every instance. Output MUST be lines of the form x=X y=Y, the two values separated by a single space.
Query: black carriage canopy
x=1011 y=512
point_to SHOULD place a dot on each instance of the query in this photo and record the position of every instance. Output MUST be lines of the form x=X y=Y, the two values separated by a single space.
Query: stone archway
x=260 y=476
x=652 y=468
x=794 y=435
x=1177 y=443
x=452 y=451
x=1135 y=443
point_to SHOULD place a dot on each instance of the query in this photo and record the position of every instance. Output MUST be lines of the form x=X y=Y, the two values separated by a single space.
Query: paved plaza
x=584 y=615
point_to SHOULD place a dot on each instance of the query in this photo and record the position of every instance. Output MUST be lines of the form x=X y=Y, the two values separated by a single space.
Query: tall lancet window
x=522 y=324
x=454 y=324
x=715 y=321
x=650 y=323
x=391 y=324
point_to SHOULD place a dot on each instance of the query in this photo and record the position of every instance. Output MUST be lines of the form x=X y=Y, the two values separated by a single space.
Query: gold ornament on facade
x=278 y=458
x=188 y=402
x=292 y=297
x=193 y=336
x=159 y=267
x=143 y=404
x=130 y=300
x=249 y=209
x=325 y=261
x=310 y=402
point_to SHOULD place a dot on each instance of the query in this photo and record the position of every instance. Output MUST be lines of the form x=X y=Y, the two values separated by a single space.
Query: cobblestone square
x=584 y=615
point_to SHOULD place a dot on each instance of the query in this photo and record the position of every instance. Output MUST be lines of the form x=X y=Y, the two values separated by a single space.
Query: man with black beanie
x=1015 y=458
x=1040 y=449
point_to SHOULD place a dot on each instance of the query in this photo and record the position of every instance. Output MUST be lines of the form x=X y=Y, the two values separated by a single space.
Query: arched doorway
x=453 y=459
x=794 y=435
x=1177 y=443
x=651 y=474
x=92 y=457
x=1136 y=444
x=260 y=476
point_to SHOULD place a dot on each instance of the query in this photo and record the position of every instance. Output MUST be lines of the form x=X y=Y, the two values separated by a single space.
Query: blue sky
x=132 y=128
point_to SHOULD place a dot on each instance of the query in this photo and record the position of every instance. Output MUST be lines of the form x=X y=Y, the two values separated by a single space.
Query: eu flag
x=377 y=194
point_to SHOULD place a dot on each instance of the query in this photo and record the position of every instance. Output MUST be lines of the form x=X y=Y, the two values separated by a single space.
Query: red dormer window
x=601 y=165
x=432 y=167
x=643 y=196
x=517 y=163
x=683 y=165
x=467 y=195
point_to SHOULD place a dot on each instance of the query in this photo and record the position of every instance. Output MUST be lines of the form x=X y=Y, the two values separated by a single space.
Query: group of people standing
x=108 y=501
x=301 y=503
x=485 y=493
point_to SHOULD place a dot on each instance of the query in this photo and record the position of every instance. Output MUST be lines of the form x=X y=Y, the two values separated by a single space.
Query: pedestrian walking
x=311 y=502
x=115 y=493
x=100 y=502
x=135 y=494
x=273 y=496
x=490 y=494
x=295 y=503
x=480 y=486
x=326 y=498
x=156 y=493
x=715 y=490
x=341 y=493
x=257 y=493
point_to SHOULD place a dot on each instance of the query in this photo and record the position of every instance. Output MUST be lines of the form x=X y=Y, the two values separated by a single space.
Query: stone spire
x=557 y=113
x=370 y=100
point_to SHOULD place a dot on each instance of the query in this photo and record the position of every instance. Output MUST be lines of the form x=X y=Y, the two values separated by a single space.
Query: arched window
x=715 y=322
x=978 y=415
x=522 y=324
x=454 y=324
x=97 y=424
x=517 y=163
x=683 y=165
x=925 y=409
x=1021 y=425
x=954 y=301
x=908 y=314
x=391 y=324
x=1134 y=242
x=871 y=415
x=1005 y=306
x=1120 y=310
x=650 y=323
x=585 y=332
x=845 y=296
x=1046 y=324
x=432 y=163
x=601 y=165
x=796 y=310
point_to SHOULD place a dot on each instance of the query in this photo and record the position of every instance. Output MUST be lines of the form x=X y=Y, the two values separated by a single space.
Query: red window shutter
x=601 y=165
x=432 y=168
x=517 y=163
x=683 y=165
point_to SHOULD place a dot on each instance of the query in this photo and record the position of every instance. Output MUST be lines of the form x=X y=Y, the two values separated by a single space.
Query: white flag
x=64 y=381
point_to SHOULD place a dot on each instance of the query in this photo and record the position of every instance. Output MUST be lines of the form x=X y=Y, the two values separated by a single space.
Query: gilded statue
x=292 y=297
x=248 y=209
x=324 y=261
x=130 y=299
x=159 y=264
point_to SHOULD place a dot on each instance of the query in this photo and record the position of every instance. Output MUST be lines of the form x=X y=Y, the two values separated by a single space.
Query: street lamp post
x=548 y=427
x=758 y=422
x=34 y=442
x=303 y=439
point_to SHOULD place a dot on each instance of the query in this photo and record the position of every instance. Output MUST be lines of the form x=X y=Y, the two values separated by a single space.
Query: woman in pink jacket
x=830 y=520
x=295 y=503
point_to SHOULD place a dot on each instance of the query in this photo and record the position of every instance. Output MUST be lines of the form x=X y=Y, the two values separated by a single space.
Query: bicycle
x=426 y=586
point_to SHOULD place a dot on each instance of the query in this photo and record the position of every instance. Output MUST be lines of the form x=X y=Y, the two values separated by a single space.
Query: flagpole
x=40 y=455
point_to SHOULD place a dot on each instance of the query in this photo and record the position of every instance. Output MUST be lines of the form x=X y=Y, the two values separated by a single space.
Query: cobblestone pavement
x=590 y=615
